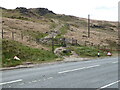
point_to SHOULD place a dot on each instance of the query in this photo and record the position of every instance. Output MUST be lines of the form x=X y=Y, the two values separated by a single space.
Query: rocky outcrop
x=39 y=11
x=22 y=9
x=43 y=11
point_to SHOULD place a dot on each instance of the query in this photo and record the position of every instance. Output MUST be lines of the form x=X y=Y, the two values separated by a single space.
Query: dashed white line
x=109 y=84
x=34 y=81
x=71 y=70
x=115 y=62
x=50 y=78
x=77 y=69
x=93 y=66
x=11 y=82
x=39 y=80
x=29 y=82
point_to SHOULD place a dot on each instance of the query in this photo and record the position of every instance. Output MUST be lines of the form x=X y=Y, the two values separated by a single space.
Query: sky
x=98 y=9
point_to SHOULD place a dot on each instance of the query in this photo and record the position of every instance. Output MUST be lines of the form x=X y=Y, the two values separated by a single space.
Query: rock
x=60 y=50
x=22 y=9
x=43 y=11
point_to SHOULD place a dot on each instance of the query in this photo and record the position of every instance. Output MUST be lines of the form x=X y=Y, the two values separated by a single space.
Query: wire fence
x=57 y=41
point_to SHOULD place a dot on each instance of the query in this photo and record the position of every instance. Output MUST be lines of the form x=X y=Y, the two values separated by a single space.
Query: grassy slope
x=85 y=51
x=12 y=48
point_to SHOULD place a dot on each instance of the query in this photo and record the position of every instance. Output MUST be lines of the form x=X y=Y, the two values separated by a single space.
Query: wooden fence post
x=2 y=34
x=52 y=44
x=64 y=42
x=22 y=35
x=104 y=48
x=85 y=43
x=91 y=44
x=13 y=35
x=76 y=42
x=111 y=49
x=98 y=46
x=72 y=41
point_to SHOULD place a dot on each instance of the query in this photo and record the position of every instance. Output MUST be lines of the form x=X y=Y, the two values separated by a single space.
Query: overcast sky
x=98 y=9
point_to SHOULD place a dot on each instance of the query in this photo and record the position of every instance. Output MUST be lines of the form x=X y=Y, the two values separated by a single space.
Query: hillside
x=34 y=28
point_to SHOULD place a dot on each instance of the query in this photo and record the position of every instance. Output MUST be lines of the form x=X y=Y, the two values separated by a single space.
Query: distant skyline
x=98 y=9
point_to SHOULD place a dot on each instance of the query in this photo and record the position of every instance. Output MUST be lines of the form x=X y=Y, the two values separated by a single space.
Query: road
x=96 y=73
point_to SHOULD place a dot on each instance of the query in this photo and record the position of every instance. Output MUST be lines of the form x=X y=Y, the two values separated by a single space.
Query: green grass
x=35 y=34
x=53 y=25
x=64 y=28
x=59 y=36
x=9 y=13
x=85 y=51
x=64 y=18
x=14 y=15
x=25 y=53
x=49 y=15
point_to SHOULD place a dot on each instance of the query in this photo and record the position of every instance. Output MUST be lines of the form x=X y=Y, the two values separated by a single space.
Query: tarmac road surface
x=96 y=73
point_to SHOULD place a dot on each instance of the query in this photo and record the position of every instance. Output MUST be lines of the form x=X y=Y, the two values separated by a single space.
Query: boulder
x=60 y=50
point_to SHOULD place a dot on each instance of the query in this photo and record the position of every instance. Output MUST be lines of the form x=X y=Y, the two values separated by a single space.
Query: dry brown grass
x=25 y=25
x=15 y=25
x=97 y=36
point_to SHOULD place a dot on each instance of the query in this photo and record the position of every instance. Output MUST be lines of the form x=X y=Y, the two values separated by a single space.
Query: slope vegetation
x=28 y=33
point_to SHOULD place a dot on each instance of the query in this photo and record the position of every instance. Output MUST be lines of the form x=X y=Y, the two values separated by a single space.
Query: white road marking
x=71 y=70
x=39 y=80
x=78 y=69
x=11 y=82
x=115 y=62
x=109 y=84
x=29 y=82
x=93 y=66
x=50 y=78
x=34 y=81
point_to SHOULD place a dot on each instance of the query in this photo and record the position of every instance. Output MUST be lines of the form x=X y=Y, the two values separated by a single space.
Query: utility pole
x=118 y=46
x=53 y=44
x=88 y=26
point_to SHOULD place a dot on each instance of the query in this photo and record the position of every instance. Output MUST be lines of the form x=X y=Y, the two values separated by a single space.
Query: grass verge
x=84 y=51
x=25 y=53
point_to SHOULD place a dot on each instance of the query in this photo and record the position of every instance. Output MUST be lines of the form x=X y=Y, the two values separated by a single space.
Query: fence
x=14 y=35
x=48 y=41
x=26 y=37
x=58 y=41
